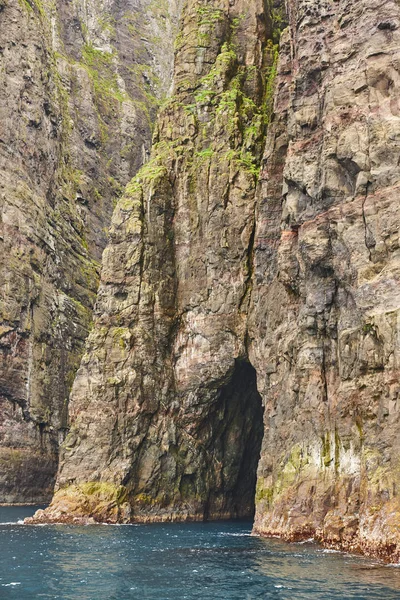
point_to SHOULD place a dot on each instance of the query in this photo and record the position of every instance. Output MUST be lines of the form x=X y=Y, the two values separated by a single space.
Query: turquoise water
x=176 y=562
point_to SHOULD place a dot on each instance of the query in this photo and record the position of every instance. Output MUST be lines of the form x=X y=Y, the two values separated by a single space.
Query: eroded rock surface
x=215 y=296
x=79 y=87
x=165 y=402
x=324 y=321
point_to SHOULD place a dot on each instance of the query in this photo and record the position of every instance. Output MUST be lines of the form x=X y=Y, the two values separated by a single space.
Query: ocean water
x=176 y=562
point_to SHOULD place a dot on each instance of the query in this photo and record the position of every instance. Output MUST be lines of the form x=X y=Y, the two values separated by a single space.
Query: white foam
x=12 y=584
x=19 y=522
x=236 y=534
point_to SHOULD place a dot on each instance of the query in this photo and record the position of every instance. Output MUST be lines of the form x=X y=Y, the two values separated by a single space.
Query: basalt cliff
x=244 y=353
x=79 y=91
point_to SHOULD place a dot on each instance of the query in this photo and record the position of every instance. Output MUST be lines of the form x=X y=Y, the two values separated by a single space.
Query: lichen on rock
x=326 y=258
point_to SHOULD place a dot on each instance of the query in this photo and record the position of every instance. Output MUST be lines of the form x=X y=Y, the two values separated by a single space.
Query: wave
x=236 y=534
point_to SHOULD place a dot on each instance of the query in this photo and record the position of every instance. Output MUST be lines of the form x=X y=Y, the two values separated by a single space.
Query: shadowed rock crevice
x=206 y=468
x=237 y=425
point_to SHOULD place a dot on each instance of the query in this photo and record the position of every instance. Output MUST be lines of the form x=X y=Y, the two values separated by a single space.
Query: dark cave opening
x=237 y=433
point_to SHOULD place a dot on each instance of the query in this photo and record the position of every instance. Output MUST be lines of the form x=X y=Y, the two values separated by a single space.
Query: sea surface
x=176 y=562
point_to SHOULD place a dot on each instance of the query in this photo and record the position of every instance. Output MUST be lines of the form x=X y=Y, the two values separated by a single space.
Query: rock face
x=165 y=402
x=222 y=301
x=324 y=320
x=79 y=91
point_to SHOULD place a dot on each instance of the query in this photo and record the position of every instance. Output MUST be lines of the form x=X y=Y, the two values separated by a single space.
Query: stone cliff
x=79 y=91
x=248 y=320
x=324 y=318
x=166 y=420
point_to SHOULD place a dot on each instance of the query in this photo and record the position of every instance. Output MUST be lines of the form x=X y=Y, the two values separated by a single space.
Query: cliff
x=79 y=91
x=166 y=420
x=324 y=320
x=248 y=320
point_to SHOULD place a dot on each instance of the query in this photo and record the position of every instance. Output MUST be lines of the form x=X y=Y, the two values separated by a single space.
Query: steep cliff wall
x=166 y=420
x=219 y=301
x=79 y=87
x=325 y=305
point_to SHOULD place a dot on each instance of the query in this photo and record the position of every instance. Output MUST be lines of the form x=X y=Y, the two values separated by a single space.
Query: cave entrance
x=238 y=429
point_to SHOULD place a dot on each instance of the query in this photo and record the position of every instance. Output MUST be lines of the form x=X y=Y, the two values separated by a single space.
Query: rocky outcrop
x=165 y=402
x=220 y=302
x=79 y=91
x=324 y=321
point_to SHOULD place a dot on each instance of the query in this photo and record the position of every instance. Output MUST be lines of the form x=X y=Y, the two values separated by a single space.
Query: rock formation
x=166 y=420
x=79 y=91
x=324 y=317
x=223 y=299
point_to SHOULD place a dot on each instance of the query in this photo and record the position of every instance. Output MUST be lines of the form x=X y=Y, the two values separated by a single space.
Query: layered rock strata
x=166 y=420
x=80 y=85
x=214 y=296
x=324 y=317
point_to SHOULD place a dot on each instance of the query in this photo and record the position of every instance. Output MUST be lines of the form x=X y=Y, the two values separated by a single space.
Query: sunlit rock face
x=79 y=89
x=232 y=307
x=324 y=318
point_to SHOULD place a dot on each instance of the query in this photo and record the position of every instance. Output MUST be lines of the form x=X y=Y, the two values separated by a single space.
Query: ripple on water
x=218 y=561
